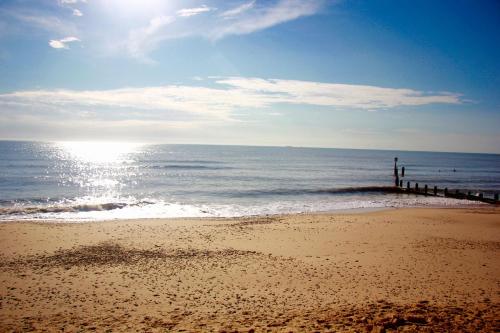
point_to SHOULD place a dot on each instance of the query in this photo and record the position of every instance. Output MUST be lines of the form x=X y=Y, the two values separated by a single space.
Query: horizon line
x=248 y=145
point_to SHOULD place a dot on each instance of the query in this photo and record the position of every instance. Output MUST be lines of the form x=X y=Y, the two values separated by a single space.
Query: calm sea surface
x=93 y=181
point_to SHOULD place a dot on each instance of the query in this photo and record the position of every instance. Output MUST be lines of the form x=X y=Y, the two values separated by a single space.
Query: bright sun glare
x=99 y=152
x=136 y=8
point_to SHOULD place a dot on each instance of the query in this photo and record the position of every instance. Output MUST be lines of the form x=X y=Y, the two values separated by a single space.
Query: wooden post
x=401 y=183
x=395 y=166
x=416 y=187
x=457 y=193
x=445 y=191
x=435 y=190
x=481 y=196
x=425 y=189
x=496 y=196
x=408 y=186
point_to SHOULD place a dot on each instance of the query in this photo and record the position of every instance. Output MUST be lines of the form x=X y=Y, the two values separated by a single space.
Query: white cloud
x=143 y=32
x=70 y=39
x=229 y=109
x=265 y=17
x=62 y=43
x=336 y=95
x=57 y=44
x=247 y=18
x=186 y=12
x=238 y=10
x=215 y=103
x=144 y=40
x=71 y=2
x=45 y=22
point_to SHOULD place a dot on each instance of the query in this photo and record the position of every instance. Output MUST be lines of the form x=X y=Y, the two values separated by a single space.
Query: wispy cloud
x=71 y=2
x=264 y=17
x=186 y=12
x=143 y=35
x=231 y=13
x=215 y=103
x=44 y=22
x=144 y=40
x=336 y=95
x=201 y=101
x=246 y=18
x=62 y=43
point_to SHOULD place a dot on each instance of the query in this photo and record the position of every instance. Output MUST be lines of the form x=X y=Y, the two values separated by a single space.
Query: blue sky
x=417 y=75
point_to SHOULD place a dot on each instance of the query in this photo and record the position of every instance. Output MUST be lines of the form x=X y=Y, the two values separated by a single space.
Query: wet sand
x=428 y=270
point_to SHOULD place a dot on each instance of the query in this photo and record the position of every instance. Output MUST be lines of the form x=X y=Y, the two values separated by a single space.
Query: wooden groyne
x=426 y=190
x=446 y=193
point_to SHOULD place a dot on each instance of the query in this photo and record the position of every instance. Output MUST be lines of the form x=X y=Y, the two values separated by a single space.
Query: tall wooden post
x=396 y=173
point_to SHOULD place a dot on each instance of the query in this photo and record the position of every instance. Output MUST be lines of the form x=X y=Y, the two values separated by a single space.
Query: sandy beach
x=402 y=270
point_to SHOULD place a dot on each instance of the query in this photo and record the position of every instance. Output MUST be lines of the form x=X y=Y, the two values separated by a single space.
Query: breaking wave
x=129 y=208
x=325 y=191
x=23 y=210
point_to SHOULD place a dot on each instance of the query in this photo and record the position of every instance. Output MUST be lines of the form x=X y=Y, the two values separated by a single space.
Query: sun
x=136 y=8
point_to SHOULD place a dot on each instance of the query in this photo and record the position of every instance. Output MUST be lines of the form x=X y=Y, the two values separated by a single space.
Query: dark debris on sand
x=383 y=316
x=377 y=317
x=108 y=254
x=247 y=222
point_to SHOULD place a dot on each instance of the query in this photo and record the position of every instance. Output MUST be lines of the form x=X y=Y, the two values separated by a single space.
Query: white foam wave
x=146 y=208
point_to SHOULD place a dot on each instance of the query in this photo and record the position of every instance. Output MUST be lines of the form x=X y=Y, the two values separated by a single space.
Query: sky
x=405 y=75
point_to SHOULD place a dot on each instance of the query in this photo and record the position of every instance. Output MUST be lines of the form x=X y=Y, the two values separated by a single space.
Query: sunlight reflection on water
x=99 y=152
x=102 y=168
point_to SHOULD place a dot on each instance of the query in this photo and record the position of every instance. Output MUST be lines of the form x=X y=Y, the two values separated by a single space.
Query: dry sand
x=429 y=270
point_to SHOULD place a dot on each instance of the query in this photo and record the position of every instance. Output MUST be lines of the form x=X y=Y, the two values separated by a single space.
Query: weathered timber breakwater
x=445 y=193
x=426 y=190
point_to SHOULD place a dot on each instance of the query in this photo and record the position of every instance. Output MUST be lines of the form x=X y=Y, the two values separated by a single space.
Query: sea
x=95 y=181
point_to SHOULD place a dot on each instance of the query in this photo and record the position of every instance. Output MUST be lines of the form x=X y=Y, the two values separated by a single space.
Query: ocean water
x=79 y=181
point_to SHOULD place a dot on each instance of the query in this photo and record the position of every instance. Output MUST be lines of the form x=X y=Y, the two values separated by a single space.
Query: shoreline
x=402 y=268
x=356 y=210
x=220 y=218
